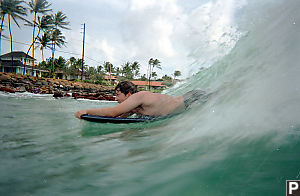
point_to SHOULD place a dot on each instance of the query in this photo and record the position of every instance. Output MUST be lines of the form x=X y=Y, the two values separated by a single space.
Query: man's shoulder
x=142 y=94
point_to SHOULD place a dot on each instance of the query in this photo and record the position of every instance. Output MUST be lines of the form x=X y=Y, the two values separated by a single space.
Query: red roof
x=109 y=77
x=146 y=83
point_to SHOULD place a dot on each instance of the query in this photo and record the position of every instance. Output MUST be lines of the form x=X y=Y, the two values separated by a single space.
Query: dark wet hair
x=126 y=87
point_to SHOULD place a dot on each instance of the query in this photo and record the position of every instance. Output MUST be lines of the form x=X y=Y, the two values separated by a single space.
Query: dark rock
x=7 y=89
x=75 y=95
x=4 y=78
x=59 y=88
x=58 y=94
x=44 y=82
x=109 y=97
x=21 y=89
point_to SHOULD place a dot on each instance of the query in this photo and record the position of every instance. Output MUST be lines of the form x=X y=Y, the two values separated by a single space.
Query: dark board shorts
x=194 y=96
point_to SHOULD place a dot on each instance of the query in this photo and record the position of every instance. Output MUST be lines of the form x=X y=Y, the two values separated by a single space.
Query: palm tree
x=177 y=73
x=58 y=21
x=118 y=71
x=152 y=64
x=44 y=42
x=37 y=6
x=43 y=23
x=57 y=39
x=127 y=70
x=13 y=9
x=149 y=67
x=156 y=63
x=74 y=65
x=99 y=68
x=108 y=67
x=149 y=71
x=4 y=10
x=154 y=74
x=61 y=63
x=135 y=66
x=72 y=61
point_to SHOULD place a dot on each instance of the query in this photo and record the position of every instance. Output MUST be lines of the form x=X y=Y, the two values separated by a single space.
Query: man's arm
x=125 y=115
x=128 y=105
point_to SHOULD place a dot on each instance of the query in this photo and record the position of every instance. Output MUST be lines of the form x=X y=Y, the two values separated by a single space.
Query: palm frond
x=59 y=20
x=39 y=6
x=14 y=9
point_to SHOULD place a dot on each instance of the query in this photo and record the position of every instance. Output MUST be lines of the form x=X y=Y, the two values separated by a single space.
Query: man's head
x=124 y=90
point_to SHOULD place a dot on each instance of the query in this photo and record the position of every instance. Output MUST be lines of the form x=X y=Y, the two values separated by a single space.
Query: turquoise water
x=245 y=140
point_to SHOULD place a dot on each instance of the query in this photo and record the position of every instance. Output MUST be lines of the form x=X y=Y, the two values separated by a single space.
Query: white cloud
x=141 y=5
x=138 y=5
x=148 y=30
x=164 y=43
x=108 y=50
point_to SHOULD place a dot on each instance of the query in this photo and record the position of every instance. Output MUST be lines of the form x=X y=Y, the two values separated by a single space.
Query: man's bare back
x=155 y=104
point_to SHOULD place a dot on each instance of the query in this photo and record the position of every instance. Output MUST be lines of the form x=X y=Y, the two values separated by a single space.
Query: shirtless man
x=141 y=103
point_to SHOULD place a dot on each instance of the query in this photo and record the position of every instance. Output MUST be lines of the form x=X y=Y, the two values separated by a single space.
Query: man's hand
x=79 y=113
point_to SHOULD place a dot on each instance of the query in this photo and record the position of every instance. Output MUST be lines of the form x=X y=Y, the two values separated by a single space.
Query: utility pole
x=83 y=51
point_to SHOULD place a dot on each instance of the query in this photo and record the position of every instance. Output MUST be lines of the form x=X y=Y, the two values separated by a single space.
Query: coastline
x=13 y=83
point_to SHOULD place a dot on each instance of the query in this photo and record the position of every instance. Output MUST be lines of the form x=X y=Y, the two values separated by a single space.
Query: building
x=145 y=84
x=75 y=75
x=13 y=62
x=111 y=78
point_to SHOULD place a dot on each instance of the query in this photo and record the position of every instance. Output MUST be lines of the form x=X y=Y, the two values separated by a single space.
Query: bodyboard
x=118 y=120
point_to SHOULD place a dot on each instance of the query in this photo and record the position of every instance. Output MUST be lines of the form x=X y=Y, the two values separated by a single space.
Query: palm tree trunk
x=43 y=54
x=33 y=40
x=52 y=67
x=150 y=74
x=50 y=71
x=31 y=45
x=11 y=44
x=149 y=68
x=2 y=20
x=110 y=72
x=10 y=35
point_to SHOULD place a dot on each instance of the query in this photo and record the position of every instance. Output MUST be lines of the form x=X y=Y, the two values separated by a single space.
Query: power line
x=17 y=42
x=93 y=60
x=66 y=52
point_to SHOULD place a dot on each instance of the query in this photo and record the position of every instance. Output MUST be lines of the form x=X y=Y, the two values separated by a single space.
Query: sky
x=121 y=31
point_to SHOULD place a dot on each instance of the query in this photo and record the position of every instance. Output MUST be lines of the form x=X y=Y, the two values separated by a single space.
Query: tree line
x=47 y=33
x=127 y=71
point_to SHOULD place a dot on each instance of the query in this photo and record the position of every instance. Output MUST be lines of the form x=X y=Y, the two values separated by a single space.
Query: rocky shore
x=13 y=83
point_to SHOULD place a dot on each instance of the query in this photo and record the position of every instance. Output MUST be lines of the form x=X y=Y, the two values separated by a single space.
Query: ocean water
x=245 y=140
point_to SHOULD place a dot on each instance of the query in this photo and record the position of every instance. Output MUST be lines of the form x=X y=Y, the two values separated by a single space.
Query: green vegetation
x=47 y=33
x=72 y=68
